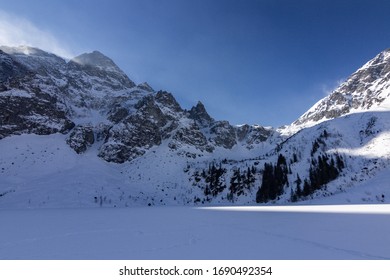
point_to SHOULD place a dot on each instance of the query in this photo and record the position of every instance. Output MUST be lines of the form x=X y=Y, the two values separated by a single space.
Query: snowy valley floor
x=274 y=232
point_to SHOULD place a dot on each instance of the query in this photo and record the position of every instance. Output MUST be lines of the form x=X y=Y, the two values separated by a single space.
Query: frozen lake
x=286 y=232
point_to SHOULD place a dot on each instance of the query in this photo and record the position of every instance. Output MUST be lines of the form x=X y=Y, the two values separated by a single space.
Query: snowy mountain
x=366 y=89
x=80 y=133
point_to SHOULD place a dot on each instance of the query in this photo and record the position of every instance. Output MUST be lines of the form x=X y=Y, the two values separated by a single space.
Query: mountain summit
x=96 y=64
x=96 y=59
x=366 y=89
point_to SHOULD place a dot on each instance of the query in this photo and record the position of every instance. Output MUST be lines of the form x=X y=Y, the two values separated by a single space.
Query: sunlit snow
x=343 y=232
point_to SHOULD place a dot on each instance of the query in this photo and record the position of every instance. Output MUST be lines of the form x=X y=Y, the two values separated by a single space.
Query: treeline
x=215 y=181
x=275 y=181
x=322 y=170
x=241 y=181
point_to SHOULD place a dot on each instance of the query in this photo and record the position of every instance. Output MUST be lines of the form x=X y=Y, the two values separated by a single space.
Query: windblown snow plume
x=16 y=31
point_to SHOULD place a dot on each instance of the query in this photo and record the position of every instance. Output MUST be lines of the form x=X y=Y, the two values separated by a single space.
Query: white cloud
x=16 y=31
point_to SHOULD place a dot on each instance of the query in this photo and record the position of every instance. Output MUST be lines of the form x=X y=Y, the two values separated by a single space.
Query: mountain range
x=80 y=133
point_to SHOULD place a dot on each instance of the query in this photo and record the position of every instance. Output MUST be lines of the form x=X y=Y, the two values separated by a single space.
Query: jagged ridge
x=90 y=91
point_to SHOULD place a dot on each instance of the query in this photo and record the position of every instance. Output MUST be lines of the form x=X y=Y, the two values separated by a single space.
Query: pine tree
x=273 y=181
x=325 y=134
x=315 y=147
x=253 y=170
x=298 y=181
x=322 y=171
x=307 y=189
x=295 y=158
x=214 y=180
x=264 y=193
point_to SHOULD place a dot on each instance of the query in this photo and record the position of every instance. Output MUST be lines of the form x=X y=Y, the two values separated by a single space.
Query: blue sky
x=264 y=61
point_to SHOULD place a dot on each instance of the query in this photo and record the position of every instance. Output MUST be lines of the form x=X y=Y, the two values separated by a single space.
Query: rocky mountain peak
x=366 y=89
x=96 y=59
x=200 y=115
x=145 y=86
x=382 y=57
x=96 y=64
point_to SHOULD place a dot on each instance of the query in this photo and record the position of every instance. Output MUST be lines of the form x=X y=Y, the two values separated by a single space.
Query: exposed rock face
x=42 y=93
x=192 y=136
x=252 y=135
x=135 y=133
x=9 y=69
x=365 y=89
x=81 y=138
x=167 y=100
x=24 y=112
x=146 y=87
x=118 y=114
x=200 y=115
x=225 y=134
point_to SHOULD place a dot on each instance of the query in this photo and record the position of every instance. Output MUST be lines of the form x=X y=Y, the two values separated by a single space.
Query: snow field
x=343 y=232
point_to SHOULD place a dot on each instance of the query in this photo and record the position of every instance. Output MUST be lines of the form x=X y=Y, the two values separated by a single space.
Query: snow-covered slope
x=43 y=171
x=82 y=134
